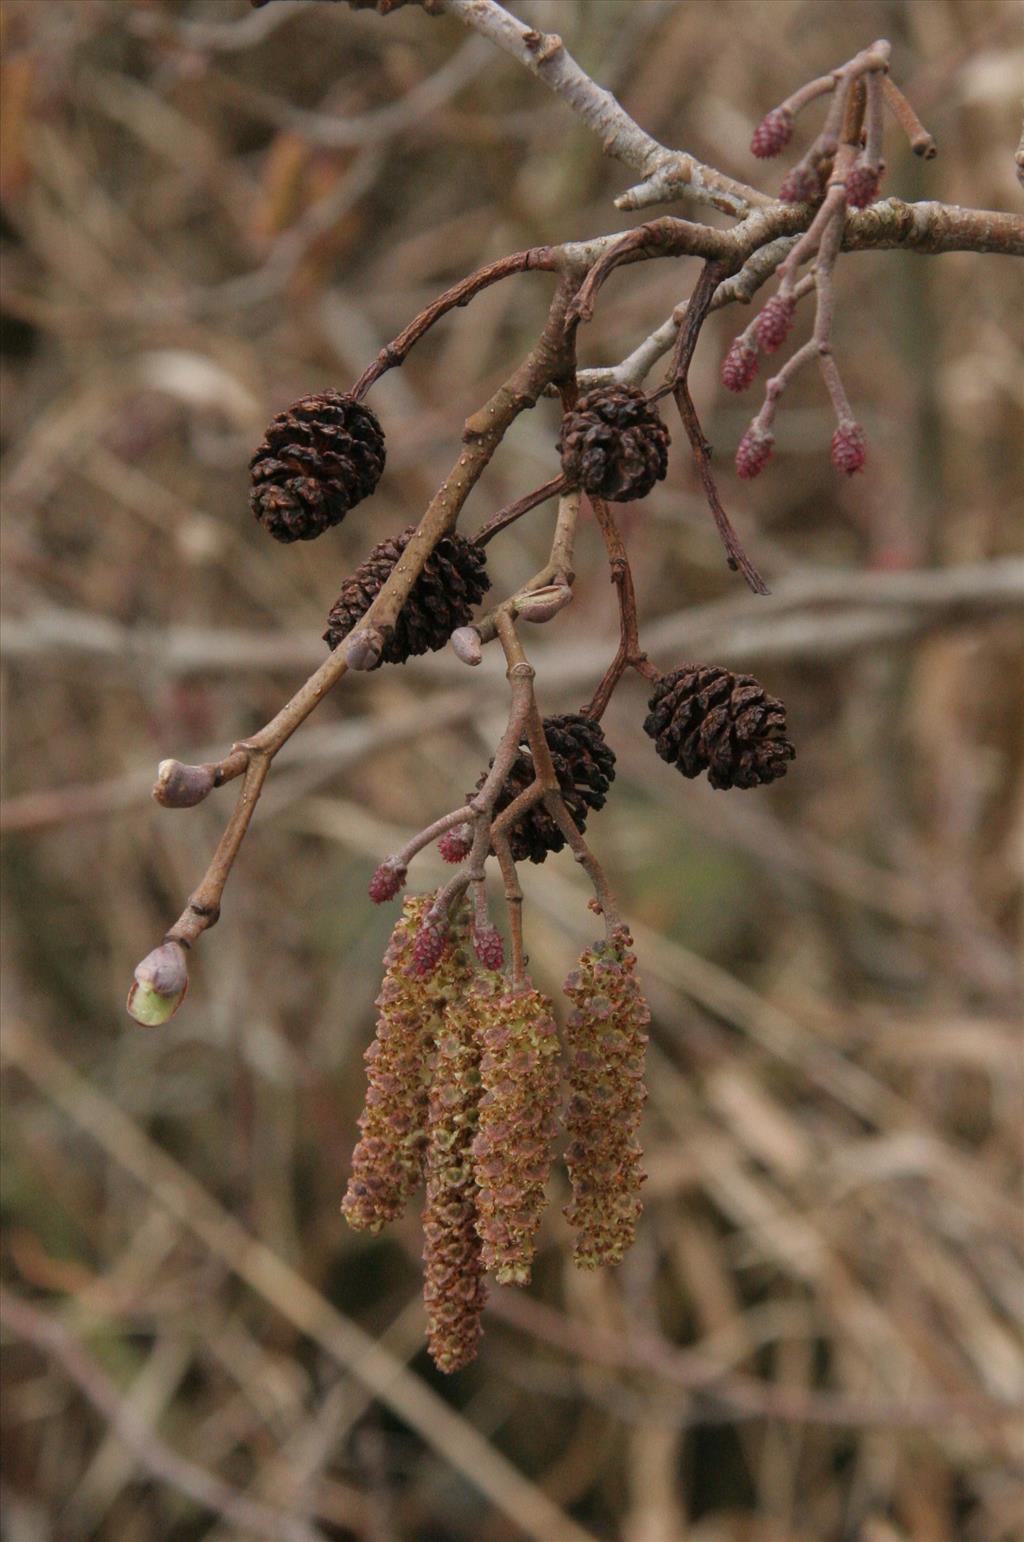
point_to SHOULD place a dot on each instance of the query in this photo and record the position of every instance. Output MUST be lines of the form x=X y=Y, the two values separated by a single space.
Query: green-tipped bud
x=161 y=981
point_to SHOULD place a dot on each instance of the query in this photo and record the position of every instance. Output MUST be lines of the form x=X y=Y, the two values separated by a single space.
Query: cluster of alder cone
x=463 y=1074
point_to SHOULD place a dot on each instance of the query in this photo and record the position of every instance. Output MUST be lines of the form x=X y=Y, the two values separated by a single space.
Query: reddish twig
x=396 y=352
x=696 y=313
x=921 y=142
x=629 y=653
x=513 y=511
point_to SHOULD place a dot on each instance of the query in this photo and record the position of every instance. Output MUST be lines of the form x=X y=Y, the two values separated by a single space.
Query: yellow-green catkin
x=454 y=1290
x=606 y=1039
x=387 y=1164
x=512 y=1149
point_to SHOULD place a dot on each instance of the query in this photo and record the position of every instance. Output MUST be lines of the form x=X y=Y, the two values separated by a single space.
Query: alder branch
x=665 y=173
x=737 y=254
x=482 y=434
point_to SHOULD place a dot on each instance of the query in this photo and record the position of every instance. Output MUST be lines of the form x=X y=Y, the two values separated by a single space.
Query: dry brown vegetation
x=820 y=1332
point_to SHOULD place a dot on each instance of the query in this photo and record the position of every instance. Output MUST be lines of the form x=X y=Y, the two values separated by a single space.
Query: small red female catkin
x=488 y=946
x=512 y=1149
x=739 y=365
x=386 y=883
x=454 y=1290
x=773 y=133
x=429 y=945
x=606 y=1037
x=773 y=324
x=388 y=1159
x=801 y=184
x=862 y=184
x=849 y=447
x=754 y=452
x=456 y=844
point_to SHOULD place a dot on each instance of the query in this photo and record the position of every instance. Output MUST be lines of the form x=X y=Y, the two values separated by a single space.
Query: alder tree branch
x=664 y=173
x=768 y=236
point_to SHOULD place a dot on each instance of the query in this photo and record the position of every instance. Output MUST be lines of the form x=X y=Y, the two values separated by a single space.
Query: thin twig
x=696 y=314
x=664 y=172
x=396 y=352
x=921 y=142
x=629 y=652
x=513 y=511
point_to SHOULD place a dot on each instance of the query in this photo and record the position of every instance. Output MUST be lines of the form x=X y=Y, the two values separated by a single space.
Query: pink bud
x=364 y=648
x=773 y=133
x=862 y=185
x=455 y=845
x=774 y=322
x=754 y=452
x=488 y=946
x=180 y=786
x=739 y=365
x=849 y=447
x=800 y=185
x=465 y=641
x=386 y=882
x=544 y=603
x=428 y=948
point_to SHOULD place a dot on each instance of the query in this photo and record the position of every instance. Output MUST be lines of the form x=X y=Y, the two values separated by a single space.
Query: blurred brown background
x=208 y=212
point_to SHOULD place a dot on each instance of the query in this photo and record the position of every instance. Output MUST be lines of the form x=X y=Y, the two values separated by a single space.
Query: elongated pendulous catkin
x=512 y=1149
x=387 y=1163
x=606 y=1038
x=454 y=1290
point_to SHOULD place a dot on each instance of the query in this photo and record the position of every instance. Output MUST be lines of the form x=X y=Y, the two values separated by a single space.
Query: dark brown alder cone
x=585 y=766
x=614 y=444
x=317 y=460
x=453 y=580
x=454 y=1291
x=703 y=718
x=387 y=1163
x=606 y=1037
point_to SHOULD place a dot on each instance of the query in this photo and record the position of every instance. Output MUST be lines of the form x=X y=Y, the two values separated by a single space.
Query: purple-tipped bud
x=739 y=365
x=428 y=948
x=544 y=603
x=862 y=185
x=364 y=648
x=774 y=322
x=386 y=882
x=773 y=133
x=849 y=447
x=800 y=185
x=754 y=453
x=466 y=646
x=455 y=845
x=161 y=981
x=488 y=946
x=179 y=786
